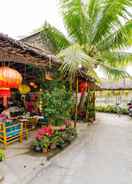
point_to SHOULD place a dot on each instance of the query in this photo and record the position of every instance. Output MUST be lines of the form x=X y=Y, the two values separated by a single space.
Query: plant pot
x=45 y=151
x=53 y=146
x=37 y=149
x=61 y=146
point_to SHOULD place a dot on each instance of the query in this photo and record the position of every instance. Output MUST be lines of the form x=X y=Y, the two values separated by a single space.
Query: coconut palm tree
x=98 y=35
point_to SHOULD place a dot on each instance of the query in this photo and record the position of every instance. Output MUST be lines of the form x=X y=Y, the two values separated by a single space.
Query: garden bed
x=51 y=140
x=50 y=154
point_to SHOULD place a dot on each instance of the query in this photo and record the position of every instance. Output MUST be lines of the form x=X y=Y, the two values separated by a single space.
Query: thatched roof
x=124 y=84
x=12 y=50
x=24 y=39
x=19 y=52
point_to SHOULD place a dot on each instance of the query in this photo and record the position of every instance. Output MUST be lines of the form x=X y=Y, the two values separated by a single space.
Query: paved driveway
x=102 y=154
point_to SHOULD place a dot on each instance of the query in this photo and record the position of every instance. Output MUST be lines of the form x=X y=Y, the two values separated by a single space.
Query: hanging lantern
x=5 y=92
x=9 y=78
x=83 y=86
x=24 y=89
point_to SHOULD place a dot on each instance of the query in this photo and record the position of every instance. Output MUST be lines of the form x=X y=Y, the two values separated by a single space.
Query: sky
x=21 y=17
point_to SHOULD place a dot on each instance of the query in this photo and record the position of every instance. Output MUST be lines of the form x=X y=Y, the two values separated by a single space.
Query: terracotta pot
x=45 y=151
x=53 y=146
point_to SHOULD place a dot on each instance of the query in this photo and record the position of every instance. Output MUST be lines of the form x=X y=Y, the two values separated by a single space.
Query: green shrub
x=57 y=105
x=110 y=109
x=2 y=155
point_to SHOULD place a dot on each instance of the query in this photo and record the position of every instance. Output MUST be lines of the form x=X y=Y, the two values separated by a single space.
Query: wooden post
x=26 y=132
x=21 y=132
x=76 y=112
x=4 y=135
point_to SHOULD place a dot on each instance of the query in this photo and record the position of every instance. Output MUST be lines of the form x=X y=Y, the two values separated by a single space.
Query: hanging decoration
x=83 y=86
x=5 y=92
x=9 y=78
x=24 y=89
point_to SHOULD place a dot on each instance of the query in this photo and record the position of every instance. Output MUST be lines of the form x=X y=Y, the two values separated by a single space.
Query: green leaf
x=72 y=59
x=117 y=58
x=54 y=38
x=114 y=73
x=75 y=19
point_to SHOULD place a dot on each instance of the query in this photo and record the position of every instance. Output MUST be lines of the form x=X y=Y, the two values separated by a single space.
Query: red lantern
x=5 y=92
x=9 y=78
x=83 y=86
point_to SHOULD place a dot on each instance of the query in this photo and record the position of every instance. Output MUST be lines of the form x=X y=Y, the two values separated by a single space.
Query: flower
x=46 y=131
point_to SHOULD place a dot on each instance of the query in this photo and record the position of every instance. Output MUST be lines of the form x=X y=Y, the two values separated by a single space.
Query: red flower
x=48 y=131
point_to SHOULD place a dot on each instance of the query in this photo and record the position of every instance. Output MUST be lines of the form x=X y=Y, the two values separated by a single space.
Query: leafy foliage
x=57 y=105
x=111 y=109
x=98 y=31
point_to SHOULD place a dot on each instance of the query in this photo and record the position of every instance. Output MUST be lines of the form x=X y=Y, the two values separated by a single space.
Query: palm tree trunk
x=90 y=106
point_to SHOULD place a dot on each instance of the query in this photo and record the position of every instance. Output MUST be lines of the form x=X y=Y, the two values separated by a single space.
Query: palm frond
x=112 y=12
x=55 y=40
x=75 y=19
x=114 y=73
x=117 y=58
x=73 y=58
x=119 y=39
x=93 y=11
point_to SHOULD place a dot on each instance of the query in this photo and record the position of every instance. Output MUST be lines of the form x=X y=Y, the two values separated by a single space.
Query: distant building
x=112 y=92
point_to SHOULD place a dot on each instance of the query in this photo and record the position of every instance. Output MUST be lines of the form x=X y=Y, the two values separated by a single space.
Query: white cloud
x=20 y=17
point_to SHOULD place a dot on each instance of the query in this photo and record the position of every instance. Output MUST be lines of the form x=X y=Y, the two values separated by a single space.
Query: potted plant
x=37 y=146
x=43 y=139
x=45 y=144
x=57 y=139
